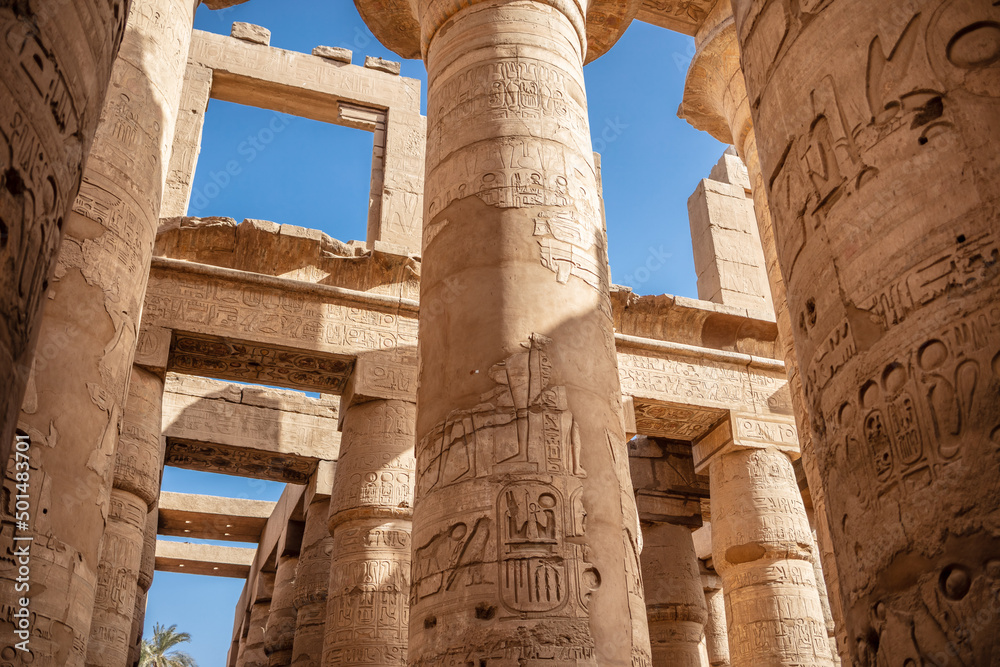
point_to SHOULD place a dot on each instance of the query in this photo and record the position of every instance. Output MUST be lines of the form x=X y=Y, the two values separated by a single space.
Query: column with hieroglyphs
x=146 y=569
x=675 y=601
x=522 y=546
x=762 y=544
x=312 y=577
x=186 y=141
x=136 y=486
x=876 y=128
x=280 y=631
x=74 y=404
x=371 y=508
x=251 y=650
x=55 y=64
x=716 y=637
x=715 y=101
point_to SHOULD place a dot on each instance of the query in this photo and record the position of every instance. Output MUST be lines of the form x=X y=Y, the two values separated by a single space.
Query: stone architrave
x=312 y=581
x=136 y=485
x=370 y=516
x=675 y=600
x=762 y=544
x=55 y=61
x=74 y=407
x=280 y=632
x=877 y=130
x=523 y=546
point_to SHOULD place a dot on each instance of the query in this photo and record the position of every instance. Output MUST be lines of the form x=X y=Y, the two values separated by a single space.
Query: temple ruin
x=799 y=468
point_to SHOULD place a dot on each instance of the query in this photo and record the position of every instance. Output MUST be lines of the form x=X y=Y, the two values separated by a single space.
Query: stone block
x=334 y=53
x=382 y=65
x=249 y=32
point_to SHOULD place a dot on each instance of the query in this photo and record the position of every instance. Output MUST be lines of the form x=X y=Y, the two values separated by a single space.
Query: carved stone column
x=715 y=100
x=252 y=650
x=280 y=630
x=523 y=549
x=877 y=129
x=146 y=568
x=370 y=513
x=74 y=406
x=312 y=581
x=136 y=486
x=716 y=635
x=675 y=601
x=186 y=145
x=761 y=547
x=55 y=63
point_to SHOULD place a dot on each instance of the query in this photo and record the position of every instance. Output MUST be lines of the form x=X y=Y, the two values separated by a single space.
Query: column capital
x=746 y=430
x=383 y=375
x=407 y=27
x=715 y=96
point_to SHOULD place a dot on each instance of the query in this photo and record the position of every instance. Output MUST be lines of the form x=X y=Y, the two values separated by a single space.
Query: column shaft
x=761 y=543
x=525 y=546
x=56 y=62
x=281 y=616
x=716 y=634
x=74 y=406
x=877 y=132
x=675 y=600
x=136 y=485
x=312 y=581
x=370 y=511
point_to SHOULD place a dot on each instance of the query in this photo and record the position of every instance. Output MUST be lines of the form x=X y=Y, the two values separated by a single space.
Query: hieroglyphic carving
x=675 y=421
x=263 y=364
x=523 y=425
x=238 y=461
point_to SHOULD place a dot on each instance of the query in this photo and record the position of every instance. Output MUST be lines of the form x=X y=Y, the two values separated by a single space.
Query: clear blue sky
x=317 y=176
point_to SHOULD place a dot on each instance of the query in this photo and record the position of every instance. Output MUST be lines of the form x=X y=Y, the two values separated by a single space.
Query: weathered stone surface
x=334 y=53
x=187 y=141
x=248 y=32
x=382 y=65
x=675 y=601
x=79 y=384
x=280 y=631
x=56 y=67
x=889 y=251
x=370 y=511
x=716 y=635
x=312 y=581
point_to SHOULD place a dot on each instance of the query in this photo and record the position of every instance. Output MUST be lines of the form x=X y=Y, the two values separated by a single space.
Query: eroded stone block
x=249 y=32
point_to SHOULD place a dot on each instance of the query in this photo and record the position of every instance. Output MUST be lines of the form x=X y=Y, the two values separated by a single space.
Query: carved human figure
x=523 y=549
x=876 y=129
x=76 y=398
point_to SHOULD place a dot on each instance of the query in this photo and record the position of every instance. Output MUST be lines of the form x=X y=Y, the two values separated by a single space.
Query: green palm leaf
x=160 y=651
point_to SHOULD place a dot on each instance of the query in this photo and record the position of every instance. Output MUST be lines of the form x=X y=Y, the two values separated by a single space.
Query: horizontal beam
x=212 y=517
x=205 y=559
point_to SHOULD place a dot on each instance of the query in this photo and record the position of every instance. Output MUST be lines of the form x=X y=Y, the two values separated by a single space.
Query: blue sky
x=316 y=175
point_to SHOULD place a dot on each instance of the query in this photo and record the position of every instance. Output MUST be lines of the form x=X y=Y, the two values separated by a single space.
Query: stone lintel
x=205 y=559
x=212 y=517
x=295 y=83
x=685 y=18
x=320 y=485
x=744 y=430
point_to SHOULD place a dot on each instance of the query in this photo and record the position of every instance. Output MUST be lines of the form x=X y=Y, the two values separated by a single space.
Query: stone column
x=186 y=141
x=370 y=513
x=146 y=568
x=280 y=630
x=716 y=635
x=715 y=100
x=675 y=601
x=522 y=546
x=136 y=486
x=312 y=578
x=761 y=548
x=55 y=60
x=877 y=130
x=73 y=408
x=252 y=649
